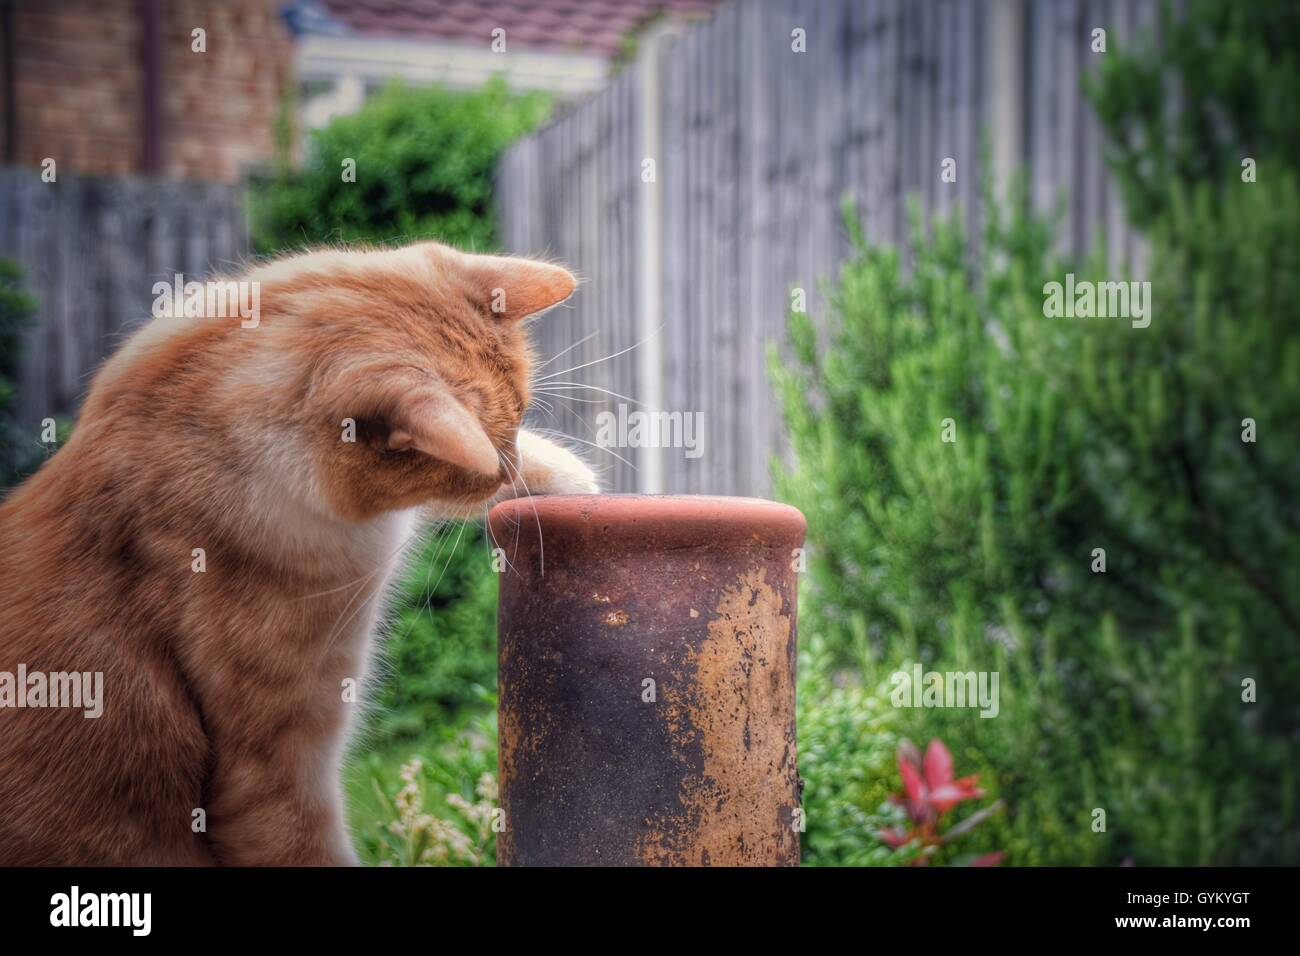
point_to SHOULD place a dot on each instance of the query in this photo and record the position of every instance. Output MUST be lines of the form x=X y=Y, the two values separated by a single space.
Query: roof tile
x=593 y=26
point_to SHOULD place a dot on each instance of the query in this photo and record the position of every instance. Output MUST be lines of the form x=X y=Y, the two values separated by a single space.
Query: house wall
x=79 y=86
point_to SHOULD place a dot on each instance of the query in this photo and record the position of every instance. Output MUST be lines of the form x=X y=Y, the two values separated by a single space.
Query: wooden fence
x=754 y=149
x=688 y=266
x=92 y=250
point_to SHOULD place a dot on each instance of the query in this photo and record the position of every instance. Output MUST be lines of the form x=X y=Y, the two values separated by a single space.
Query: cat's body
x=211 y=542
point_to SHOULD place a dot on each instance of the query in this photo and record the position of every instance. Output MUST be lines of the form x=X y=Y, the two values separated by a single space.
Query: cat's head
x=376 y=380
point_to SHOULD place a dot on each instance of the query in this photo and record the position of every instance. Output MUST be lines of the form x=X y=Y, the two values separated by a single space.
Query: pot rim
x=685 y=513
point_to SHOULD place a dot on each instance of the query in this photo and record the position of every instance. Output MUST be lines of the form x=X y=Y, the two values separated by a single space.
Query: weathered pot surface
x=647 y=665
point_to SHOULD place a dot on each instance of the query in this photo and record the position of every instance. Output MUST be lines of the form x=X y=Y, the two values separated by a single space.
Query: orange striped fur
x=224 y=688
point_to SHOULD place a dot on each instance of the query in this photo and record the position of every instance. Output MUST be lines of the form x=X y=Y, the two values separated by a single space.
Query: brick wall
x=79 y=85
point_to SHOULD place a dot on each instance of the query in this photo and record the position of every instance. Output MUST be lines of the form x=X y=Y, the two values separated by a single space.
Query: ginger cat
x=223 y=687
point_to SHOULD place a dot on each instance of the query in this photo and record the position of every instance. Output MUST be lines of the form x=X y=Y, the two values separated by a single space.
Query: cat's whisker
x=428 y=573
x=493 y=544
x=605 y=359
x=340 y=626
x=585 y=338
x=536 y=420
x=428 y=591
x=514 y=493
x=451 y=556
x=341 y=623
x=546 y=407
x=460 y=503
x=593 y=388
x=343 y=587
x=574 y=398
x=576 y=413
x=559 y=434
x=345 y=616
x=541 y=546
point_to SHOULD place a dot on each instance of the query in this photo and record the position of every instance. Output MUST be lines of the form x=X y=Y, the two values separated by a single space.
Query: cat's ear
x=432 y=421
x=513 y=288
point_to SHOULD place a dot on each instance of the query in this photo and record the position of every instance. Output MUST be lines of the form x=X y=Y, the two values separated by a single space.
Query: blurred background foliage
x=1120 y=690
x=429 y=156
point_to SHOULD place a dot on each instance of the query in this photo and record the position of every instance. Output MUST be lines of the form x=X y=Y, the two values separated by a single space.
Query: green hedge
x=424 y=161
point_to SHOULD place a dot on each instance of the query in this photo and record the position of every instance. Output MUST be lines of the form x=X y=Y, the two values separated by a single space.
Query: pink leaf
x=946 y=797
x=938 y=764
x=912 y=782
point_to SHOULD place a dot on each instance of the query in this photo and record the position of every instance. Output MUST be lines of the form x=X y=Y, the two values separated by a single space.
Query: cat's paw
x=551 y=469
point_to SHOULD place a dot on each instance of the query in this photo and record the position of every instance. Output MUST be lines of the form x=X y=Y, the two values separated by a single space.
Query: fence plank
x=758 y=146
x=91 y=250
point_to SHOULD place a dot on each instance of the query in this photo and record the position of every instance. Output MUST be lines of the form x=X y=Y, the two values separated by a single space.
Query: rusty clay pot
x=647 y=681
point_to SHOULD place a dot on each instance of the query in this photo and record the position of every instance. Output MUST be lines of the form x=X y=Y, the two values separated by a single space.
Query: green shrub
x=1233 y=70
x=425 y=159
x=440 y=656
x=16 y=309
x=1121 y=691
x=846 y=762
